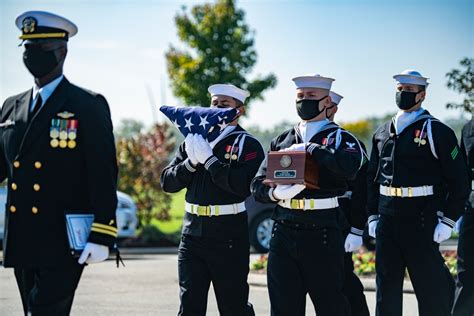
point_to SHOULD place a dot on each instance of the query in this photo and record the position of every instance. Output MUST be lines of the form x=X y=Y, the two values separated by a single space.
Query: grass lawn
x=177 y=213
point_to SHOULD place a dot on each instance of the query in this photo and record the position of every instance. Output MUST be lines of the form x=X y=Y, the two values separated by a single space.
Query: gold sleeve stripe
x=102 y=226
x=103 y=231
x=42 y=35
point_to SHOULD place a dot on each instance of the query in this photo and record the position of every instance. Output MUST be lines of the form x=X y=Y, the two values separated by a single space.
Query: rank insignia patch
x=455 y=153
x=251 y=156
x=351 y=147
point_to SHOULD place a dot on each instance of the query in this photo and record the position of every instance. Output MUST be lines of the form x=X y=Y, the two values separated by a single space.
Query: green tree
x=462 y=81
x=128 y=128
x=141 y=159
x=221 y=52
x=362 y=129
x=265 y=136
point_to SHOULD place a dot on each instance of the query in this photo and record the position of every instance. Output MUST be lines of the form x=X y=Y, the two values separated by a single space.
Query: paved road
x=147 y=286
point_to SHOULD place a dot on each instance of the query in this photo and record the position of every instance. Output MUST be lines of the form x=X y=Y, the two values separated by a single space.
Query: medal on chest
x=420 y=137
x=231 y=152
x=327 y=141
x=63 y=132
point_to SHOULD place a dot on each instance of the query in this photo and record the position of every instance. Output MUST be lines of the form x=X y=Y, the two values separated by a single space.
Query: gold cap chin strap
x=42 y=35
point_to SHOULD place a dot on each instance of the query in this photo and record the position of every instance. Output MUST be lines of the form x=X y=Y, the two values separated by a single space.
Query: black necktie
x=36 y=107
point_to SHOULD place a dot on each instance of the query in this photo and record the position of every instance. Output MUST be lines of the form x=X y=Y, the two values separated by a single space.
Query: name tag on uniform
x=78 y=229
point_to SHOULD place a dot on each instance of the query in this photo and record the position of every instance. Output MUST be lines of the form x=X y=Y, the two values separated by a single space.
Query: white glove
x=296 y=147
x=286 y=191
x=442 y=232
x=457 y=227
x=353 y=242
x=189 y=146
x=373 y=228
x=202 y=149
x=94 y=253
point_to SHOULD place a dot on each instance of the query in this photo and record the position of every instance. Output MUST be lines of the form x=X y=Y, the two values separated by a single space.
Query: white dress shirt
x=403 y=119
x=45 y=91
x=309 y=129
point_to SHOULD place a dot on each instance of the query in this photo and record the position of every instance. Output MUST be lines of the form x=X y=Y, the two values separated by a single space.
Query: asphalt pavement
x=148 y=285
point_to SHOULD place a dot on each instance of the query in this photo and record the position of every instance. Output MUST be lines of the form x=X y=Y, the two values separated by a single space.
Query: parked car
x=126 y=214
x=260 y=224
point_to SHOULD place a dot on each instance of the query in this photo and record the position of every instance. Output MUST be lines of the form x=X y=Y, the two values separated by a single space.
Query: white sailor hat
x=313 y=81
x=228 y=90
x=44 y=25
x=410 y=76
x=335 y=98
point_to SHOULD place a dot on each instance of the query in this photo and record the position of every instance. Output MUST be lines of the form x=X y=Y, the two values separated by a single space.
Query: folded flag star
x=207 y=122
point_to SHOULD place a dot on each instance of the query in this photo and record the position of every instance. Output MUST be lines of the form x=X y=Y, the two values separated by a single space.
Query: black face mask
x=308 y=109
x=331 y=107
x=39 y=62
x=405 y=99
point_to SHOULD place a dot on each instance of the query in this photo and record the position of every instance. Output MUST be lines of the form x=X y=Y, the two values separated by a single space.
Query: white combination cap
x=410 y=76
x=229 y=90
x=313 y=81
x=335 y=98
x=44 y=25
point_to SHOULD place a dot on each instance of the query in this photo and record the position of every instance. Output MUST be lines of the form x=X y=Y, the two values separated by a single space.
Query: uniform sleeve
x=236 y=179
x=101 y=166
x=261 y=191
x=454 y=171
x=372 y=185
x=3 y=163
x=358 y=211
x=466 y=137
x=343 y=161
x=179 y=173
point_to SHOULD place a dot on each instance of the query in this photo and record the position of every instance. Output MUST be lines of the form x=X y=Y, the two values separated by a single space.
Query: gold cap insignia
x=66 y=115
x=29 y=24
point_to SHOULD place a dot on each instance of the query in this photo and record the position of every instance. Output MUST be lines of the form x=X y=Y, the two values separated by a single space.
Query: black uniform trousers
x=353 y=288
x=48 y=291
x=464 y=302
x=305 y=260
x=222 y=261
x=406 y=242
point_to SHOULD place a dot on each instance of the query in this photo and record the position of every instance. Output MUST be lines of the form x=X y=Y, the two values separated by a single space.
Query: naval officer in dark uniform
x=464 y=302
x=353 y=205
x=307 y=246
x=215 y=243
x=415 y=161
x=57 y=152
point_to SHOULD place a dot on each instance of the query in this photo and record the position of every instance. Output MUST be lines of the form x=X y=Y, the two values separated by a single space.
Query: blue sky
x=120 y=47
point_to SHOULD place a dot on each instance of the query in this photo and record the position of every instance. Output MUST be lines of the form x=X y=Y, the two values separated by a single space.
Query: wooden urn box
x=292 y=167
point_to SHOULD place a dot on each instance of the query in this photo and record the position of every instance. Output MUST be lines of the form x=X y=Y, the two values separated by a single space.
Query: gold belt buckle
x=204 y=210
x=297 y=204
x=301 y=202
x=399 y=192
x=392 y=191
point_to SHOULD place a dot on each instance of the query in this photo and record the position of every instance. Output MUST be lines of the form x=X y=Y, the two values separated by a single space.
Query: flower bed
x=364 y=263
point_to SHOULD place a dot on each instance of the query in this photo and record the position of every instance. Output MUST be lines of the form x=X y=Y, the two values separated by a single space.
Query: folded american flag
x=208 y=122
